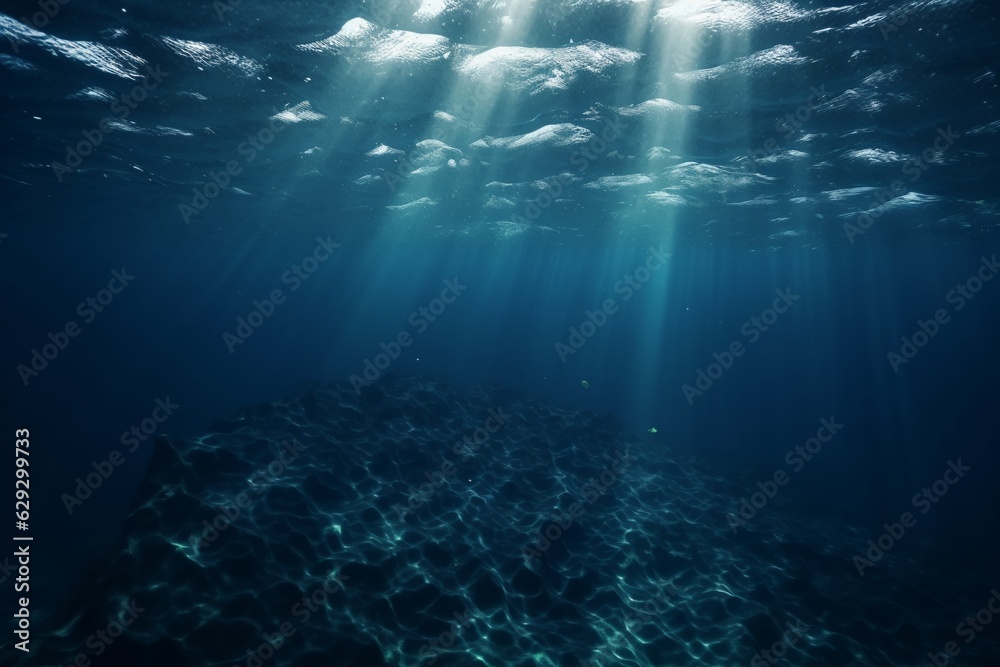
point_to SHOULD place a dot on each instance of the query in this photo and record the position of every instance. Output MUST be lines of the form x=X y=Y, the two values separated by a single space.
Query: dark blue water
x=746 y=248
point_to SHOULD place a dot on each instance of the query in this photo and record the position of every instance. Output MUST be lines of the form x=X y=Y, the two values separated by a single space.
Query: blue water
x=751 y=244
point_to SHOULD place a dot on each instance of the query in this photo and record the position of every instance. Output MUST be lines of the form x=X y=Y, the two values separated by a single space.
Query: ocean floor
x=418 y=524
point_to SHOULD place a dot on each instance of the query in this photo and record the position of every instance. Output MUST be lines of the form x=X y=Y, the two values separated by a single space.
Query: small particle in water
x=586 y=385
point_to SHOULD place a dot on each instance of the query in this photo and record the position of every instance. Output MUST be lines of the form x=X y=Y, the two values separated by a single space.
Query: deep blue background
x=825 y=357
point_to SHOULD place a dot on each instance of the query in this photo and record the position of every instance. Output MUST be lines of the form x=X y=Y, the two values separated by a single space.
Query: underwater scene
x=500 y=333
